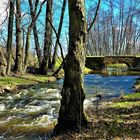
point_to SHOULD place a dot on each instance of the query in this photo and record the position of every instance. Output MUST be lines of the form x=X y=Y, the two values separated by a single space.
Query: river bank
x=13 y=83
x=137 y=85
x=117 y=119
x=32 y=112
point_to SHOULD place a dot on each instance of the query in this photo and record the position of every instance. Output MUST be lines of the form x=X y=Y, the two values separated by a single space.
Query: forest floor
x=117 y=119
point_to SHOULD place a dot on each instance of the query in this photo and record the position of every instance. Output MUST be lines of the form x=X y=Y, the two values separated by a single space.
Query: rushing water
x=32 y=110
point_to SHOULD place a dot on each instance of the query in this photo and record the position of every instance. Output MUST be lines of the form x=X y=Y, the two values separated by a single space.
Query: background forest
x=35 y=33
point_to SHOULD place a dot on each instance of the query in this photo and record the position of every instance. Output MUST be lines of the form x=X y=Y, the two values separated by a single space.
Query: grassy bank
x=116 y=120
x=117 y=65
x=11 y=83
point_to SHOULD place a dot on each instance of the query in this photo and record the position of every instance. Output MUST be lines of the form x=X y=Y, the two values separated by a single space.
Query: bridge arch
x=98 y=63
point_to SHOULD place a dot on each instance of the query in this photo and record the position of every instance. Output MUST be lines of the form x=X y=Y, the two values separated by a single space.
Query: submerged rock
x=2 y=107
x=137 y=85
x=89 y=102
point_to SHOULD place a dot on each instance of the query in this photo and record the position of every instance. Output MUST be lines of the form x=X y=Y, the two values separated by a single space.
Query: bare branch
x=57 y=39
x=6 y=15
x=94 y=19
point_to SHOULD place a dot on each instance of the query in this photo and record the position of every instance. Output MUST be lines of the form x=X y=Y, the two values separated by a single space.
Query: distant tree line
x=116 y=30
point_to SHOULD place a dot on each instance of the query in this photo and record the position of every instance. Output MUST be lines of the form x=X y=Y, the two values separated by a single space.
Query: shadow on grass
x=112 y=122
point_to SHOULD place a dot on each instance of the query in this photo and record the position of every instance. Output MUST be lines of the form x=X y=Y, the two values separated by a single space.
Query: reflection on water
x=30 y=113
x=116 y=72
x=109 y=86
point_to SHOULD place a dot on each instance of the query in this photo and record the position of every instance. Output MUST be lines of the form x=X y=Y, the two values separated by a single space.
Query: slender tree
x=35 y=32
x=10 y=37
x=2 y=63
x=59 y=34
x=47 y=38
x=18 y=61
x=71 y=114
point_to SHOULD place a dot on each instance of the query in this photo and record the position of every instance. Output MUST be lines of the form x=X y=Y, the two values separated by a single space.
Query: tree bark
x=27 y=46
x=71 y=114
x=47 y=39
x=18 y=61
x=2 y=63
x=10 y=37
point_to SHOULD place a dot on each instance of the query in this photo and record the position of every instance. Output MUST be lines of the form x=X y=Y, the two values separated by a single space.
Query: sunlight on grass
x=126 y=104
x=23 y=80
x=117 y=65
x=132 y=96
x=87 y=70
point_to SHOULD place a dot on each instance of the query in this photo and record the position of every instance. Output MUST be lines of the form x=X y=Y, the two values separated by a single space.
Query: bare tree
x=10 y=37
x=18 y=61
x=47 y=39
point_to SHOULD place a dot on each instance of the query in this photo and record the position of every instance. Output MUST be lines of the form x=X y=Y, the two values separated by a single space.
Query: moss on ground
x=126 y=104
x=132 y=96
x=116 y=120
x=12 y=83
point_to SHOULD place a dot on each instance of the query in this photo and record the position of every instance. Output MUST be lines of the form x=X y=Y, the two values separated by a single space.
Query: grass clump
x=132 y=96
x=126 y=104
x=87 y=70
x=117 y=65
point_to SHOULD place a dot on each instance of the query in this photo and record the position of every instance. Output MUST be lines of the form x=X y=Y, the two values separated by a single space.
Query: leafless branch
x=94 y=19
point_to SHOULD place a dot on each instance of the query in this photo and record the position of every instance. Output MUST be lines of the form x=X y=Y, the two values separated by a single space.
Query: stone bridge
x=98 y=63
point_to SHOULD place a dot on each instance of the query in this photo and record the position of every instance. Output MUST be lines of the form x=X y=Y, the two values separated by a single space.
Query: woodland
x=47 y=88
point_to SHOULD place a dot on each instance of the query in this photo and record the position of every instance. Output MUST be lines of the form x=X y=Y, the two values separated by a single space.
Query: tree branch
x=94 y=19
x=57 y=38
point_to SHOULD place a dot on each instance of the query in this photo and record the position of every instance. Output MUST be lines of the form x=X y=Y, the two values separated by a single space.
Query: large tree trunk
x=18 y=61
x=71 y=114
x=47 y=39
x=10 y=36
x=59 y=34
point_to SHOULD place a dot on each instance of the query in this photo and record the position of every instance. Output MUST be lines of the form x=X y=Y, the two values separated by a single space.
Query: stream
x=33 y=112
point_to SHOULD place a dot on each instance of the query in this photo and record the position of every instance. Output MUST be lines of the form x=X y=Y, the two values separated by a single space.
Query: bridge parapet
x=100 y=62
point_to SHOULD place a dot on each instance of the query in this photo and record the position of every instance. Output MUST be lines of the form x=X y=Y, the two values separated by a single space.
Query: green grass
x=126 y=104
x=27 y=79
x=132 y=96
x=12 y=80
x=58 y=63
x=117 y=65
x=87 y=70
x=127 y=101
